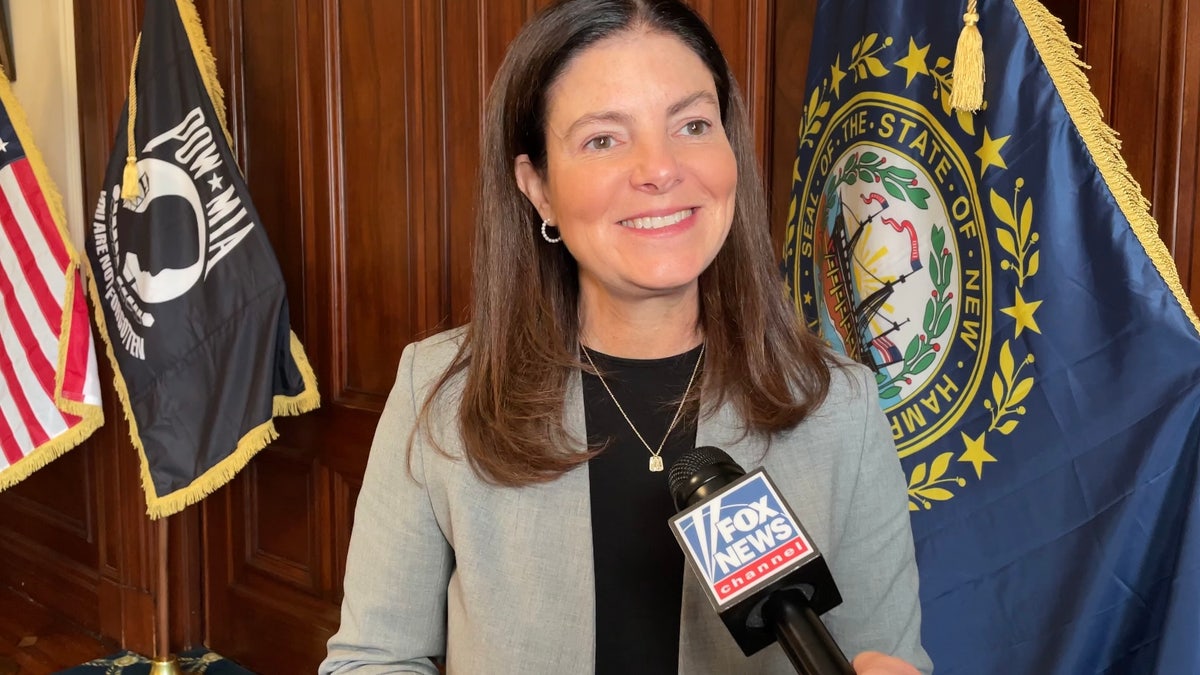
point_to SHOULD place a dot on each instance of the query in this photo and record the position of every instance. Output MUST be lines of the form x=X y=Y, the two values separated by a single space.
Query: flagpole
x=164 y=662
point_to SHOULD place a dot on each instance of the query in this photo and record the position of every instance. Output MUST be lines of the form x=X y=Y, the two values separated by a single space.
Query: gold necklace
x=656 y=463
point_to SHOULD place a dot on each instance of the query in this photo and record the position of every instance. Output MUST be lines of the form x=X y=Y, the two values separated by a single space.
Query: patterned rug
x=128 y=663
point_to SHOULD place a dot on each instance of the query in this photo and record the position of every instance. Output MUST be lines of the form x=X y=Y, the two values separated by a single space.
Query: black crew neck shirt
x=638 y=564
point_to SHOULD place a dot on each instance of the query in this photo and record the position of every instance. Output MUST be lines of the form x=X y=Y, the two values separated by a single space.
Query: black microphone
x=758 y=566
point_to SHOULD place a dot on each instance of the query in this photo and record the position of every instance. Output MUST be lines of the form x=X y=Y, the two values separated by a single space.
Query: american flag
x=49 y=387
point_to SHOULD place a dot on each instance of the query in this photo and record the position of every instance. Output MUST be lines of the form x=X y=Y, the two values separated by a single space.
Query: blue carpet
x=128 y=663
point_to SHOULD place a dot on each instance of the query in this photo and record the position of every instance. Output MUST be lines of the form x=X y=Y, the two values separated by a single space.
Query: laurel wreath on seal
x=929 y=482
x=1009 y=388
x=869 y=167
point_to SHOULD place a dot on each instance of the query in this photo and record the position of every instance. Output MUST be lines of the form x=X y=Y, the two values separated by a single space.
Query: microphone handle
x=805 y=640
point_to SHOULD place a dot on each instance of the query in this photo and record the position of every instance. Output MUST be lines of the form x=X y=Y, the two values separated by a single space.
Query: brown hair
x=521 y=347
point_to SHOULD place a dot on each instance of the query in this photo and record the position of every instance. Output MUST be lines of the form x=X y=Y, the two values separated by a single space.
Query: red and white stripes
x=49 y=387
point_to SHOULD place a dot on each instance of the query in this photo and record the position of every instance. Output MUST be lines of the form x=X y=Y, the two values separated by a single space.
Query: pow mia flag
x=189 y=295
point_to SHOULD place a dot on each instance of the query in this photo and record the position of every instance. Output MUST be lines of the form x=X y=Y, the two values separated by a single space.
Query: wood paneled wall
x=1145 y=59
x=356 y=124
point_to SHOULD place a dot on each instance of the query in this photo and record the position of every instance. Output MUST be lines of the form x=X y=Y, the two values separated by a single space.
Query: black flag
x=189 y=295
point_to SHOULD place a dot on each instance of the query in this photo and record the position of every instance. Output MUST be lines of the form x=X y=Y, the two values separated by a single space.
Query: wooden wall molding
x=1149 y=95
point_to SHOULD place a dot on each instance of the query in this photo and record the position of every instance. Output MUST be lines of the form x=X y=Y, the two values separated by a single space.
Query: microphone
x=759 y=568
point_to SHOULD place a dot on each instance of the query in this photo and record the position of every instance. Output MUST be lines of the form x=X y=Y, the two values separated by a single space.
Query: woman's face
x=640 y=176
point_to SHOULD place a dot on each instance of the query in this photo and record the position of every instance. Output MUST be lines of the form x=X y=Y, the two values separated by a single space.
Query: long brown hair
x=521 y=346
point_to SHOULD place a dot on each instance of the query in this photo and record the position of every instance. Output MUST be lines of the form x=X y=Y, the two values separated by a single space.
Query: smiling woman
x=627 y=308
x=640 y=179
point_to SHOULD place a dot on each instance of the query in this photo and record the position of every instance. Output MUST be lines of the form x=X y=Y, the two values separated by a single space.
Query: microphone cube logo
x=741 y=538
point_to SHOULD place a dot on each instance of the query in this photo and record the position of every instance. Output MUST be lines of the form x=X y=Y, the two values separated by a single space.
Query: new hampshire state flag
x=1032 y=347
x=189 y=294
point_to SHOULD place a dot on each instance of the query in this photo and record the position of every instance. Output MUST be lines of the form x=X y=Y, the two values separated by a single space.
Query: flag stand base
x=165 y=666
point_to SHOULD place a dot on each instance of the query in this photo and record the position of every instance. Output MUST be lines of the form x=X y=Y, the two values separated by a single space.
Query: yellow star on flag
x=1023 y=311
x=838 y=75
x=914 y=61
x=975 y=453
x=808 y=298
x=989 y=152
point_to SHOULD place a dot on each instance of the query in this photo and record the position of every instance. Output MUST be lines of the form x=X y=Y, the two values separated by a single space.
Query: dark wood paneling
x=280 y=541
x=793 y=28
x=743 y=30
x=462 y=90
x=1067 y=11
x=1188 y=202
x=266 y=572
x=1144 y=72
x=390 y=154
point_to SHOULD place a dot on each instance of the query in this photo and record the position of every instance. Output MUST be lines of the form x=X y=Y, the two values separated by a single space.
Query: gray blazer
x=500 y=580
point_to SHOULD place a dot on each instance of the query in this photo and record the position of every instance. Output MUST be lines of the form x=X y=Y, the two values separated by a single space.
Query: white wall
x=43 y=34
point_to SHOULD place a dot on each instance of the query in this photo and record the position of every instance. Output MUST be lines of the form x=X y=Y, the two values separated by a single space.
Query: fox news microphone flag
x=190 y=296
x=1032 y=346
x=49 y=387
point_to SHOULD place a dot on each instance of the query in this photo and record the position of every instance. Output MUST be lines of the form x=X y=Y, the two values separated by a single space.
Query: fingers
x=875 y=663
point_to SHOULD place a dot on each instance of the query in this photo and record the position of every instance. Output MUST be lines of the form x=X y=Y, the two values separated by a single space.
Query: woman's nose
x=656 y=167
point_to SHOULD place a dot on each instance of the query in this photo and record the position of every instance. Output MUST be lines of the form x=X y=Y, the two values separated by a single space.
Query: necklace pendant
x=656 y=463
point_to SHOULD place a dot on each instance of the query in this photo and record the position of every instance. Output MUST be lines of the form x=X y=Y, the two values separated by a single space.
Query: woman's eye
x=696 y=127
x=600 y=143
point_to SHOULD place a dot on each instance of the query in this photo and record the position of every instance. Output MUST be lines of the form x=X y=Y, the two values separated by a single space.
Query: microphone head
x=744 y=543
x=699 y=473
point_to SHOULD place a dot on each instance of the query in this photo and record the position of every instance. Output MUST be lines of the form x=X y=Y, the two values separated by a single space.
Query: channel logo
x=741 y=538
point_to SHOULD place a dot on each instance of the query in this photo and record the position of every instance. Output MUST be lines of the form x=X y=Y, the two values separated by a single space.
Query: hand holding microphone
x=875 y=663
x=759 y=569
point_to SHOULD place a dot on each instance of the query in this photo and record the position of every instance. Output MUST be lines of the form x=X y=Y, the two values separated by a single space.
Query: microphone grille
x=692 y=461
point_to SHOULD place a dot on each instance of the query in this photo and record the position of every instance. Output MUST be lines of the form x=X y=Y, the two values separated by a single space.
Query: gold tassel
x=967 y=93
x=129 y=181
x=130 y=189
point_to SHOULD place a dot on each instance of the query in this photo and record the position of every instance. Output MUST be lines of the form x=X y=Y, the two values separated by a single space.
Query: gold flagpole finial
x=967 y=93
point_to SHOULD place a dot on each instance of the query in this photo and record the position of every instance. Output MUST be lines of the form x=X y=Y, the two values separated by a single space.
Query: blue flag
x=1033 y=349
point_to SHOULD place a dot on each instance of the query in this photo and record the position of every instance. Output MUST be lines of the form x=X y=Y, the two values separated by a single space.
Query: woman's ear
x=532 y=186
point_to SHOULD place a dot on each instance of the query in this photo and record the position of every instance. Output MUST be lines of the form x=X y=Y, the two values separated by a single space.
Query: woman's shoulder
x=437 y=351
x=425 y=361
x=850 y=384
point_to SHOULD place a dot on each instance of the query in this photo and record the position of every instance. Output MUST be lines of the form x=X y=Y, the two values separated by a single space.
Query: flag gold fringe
x=92 y=416
x=1067 y=71
x=118 y=378
x=74 y=407
x=968 y=75
x=213 y=479
x=51 y=450
x=205 y=61
x=310 y=398
x=158 y=506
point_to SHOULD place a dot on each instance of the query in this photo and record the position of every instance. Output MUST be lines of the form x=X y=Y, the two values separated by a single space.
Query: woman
x=513 y=515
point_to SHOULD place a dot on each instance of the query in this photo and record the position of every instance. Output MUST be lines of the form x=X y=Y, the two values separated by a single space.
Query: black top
x=638 y=564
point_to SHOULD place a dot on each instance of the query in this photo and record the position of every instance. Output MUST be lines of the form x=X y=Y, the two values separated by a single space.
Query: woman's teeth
x=657 y=222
